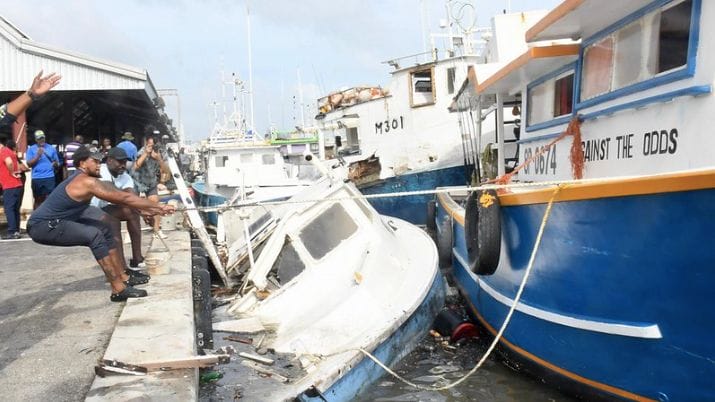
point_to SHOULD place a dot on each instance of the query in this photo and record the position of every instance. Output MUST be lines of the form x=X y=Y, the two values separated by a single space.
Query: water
x=430 y=364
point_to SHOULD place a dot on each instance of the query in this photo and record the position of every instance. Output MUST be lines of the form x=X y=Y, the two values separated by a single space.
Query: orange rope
x=576 y=154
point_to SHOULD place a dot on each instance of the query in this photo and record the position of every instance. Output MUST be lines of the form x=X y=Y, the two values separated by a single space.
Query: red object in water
x=464 y=330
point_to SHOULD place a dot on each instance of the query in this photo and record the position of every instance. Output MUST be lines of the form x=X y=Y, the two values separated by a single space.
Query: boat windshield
x=288 y=264
x=327 y=230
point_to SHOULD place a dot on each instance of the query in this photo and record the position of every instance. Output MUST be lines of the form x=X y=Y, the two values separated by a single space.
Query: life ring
x=482 y=231
x=444 y=241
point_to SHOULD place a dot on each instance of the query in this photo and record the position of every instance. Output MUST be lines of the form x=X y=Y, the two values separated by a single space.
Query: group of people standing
x=87 y=207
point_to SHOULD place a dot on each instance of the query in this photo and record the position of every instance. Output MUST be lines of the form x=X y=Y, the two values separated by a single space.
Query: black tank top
x=59 y=205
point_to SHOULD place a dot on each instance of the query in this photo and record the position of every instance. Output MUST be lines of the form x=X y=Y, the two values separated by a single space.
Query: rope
x=499 y=334
x=485 y=186
x=576 y=153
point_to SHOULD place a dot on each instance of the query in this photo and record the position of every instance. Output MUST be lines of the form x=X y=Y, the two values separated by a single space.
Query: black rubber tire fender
x=482 y=231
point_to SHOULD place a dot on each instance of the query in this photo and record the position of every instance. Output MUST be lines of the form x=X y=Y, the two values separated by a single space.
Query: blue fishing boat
x=599 y=235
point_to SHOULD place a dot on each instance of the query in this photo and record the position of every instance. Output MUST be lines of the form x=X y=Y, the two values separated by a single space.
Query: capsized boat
x=403 y=137
x=616 y=129
x=326 y=277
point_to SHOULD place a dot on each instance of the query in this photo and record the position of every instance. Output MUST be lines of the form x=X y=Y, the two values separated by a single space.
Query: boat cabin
x=618 y=80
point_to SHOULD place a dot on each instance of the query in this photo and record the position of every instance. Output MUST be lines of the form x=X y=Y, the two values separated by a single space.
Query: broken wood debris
x=247 y=325
x=265 y=371
x=259 y=359
x=108 y=366
x=239 y=339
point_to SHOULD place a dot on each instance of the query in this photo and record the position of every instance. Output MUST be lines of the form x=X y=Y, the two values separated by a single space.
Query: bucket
x=450 y=323
x=157 y=264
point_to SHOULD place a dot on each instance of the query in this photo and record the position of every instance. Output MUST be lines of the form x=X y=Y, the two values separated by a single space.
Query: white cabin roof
x=530 y=65
x=21 y=58
x=576 y=19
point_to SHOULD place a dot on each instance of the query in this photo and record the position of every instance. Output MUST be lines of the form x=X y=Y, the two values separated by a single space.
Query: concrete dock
x=56 y=323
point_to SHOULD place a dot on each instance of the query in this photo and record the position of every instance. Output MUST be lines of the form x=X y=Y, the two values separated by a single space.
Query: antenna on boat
x=423 y=25
x=251 y=126
x=300 y=98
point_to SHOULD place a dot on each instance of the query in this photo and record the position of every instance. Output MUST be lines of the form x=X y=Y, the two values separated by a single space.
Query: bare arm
x=108 y=192
x=9 y=164
x=40 y=86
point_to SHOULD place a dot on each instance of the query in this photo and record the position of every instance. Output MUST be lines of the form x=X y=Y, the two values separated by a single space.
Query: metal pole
x=250 y=66
x=500 y=135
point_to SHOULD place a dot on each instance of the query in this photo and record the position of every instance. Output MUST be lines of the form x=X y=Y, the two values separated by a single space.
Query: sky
x=300 y=48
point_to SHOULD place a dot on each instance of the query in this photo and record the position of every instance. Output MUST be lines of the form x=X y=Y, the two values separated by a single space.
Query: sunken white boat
x=327 y=280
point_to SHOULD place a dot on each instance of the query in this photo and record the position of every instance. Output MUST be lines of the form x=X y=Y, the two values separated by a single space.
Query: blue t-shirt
x=129 y=148
x=43 y=168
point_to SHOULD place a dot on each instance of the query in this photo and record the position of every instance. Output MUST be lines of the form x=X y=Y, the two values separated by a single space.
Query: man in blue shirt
x=43 y=159
x=128 y=146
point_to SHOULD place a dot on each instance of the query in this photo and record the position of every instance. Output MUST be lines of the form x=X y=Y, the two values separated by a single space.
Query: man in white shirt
x=115 y=171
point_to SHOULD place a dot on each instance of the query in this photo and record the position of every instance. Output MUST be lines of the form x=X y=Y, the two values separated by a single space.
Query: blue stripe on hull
x=206 y=199
x=398 y=345
x=632 y=260
x=413 y=208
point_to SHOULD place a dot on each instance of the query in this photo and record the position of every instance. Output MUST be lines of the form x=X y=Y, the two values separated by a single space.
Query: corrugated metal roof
x=21 y=58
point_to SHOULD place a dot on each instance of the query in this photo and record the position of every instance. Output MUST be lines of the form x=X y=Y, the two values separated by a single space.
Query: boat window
x=246 y=158
x=674 y=35
x=422 y=87
x=563 y=95
x=288 y=264
x=655 y=43
x=451 y=76
x=551 y=99
x=221 y=161
x=268 y=159
x=353 y=140
x=327 y=230
x=597 y=67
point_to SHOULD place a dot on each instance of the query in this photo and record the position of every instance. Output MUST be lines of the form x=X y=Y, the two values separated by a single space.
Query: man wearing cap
x=128 y=146
x=66 y=219
x=43 y=159
x=115 y=172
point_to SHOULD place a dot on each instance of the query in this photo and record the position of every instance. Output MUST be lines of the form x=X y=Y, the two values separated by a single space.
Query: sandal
x=128 y=292
x=138 y=274
x=134 y=281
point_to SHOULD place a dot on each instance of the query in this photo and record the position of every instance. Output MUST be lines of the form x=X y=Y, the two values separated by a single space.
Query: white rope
x=499 y=334
x=546 y=184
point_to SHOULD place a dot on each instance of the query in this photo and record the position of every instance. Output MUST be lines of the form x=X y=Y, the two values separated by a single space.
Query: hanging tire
x=444 y=241
x=482 y=231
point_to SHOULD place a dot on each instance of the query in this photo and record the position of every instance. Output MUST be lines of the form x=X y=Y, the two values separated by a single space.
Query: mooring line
x=249 y=204
x=499 y=334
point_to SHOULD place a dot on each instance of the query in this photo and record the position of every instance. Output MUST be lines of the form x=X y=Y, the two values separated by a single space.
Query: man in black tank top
x=66 y=219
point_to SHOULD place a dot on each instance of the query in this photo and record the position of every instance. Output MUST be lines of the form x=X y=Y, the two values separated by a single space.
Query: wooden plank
x=259 y=359
x=246 y=325
x=189 y=362
x=265 y=371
